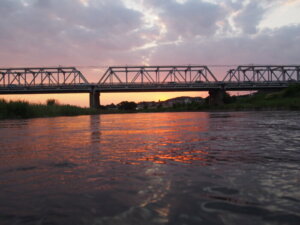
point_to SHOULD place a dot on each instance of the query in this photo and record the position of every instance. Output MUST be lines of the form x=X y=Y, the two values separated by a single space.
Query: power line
x=122 y=65
x=136 y=65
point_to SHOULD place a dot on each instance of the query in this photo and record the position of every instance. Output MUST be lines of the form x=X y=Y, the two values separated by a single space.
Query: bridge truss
x=32 y=77
x=146 y=79
x=264 y=74
x=156 y=75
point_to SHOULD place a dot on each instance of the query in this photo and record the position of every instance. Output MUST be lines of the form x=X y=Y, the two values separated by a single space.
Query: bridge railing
x=264 y=74
x=156 y=75
x=43 y=77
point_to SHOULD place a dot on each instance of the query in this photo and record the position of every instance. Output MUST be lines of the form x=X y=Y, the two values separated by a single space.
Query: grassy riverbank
x=287 y=99
x=23 y=109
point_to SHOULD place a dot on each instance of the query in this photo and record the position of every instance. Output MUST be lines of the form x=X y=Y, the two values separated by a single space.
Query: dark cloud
x=66 y=32
x=106 y=16
x=249 y=17
x=190 y=18
x=278 y=46
x=9 y=6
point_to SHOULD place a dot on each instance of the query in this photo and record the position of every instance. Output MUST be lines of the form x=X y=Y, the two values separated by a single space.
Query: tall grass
x=23 y=109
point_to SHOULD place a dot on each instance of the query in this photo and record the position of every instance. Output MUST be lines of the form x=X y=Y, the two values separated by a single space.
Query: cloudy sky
x=93 y=34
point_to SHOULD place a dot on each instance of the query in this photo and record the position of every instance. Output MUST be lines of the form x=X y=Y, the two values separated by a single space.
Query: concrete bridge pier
x=94 y=99
x=216 y=97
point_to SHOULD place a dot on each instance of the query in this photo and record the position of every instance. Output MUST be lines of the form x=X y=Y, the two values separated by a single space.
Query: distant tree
x=292 y=91
x=206 y=100
x=179 y=106
x=111 y=106
x=102 y=107
x=125 y=105
x=228 y=99
x=193 y=105
x=52 y=102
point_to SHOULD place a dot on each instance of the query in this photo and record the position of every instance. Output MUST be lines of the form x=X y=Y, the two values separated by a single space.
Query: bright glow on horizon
x=82 y=100
x=66 y=99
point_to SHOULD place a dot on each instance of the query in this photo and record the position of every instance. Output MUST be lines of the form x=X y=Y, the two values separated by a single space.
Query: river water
x=156 y=168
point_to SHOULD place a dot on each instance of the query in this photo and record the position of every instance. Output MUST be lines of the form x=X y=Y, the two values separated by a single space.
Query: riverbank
x=23 y=110
x=287 y=99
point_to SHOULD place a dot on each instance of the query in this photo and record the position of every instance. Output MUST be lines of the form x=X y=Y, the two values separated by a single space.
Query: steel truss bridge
x=146 y=79
x=157 y=78
x=42 y=80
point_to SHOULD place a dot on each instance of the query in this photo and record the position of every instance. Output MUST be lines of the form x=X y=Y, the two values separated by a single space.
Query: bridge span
x=47 y=80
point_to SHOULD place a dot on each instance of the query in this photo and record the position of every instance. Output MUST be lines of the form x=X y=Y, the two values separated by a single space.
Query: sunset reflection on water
x=157 y=138
x=156 y=168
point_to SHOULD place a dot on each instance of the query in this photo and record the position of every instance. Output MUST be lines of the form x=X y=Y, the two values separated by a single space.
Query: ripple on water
x=224 y=190
x=267 y=215
x=64 y=164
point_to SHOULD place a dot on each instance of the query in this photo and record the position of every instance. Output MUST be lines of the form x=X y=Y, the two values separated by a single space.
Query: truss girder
x=267 y=73
x=30 y=77
x=157 y=75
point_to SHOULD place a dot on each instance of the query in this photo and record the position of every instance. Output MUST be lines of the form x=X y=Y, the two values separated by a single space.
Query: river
x=155 y=168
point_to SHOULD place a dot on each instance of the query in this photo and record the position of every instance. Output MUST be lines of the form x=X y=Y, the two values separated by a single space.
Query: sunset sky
x=94 y=34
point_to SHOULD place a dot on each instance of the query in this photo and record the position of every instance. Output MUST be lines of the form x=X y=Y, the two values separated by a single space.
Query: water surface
x=156 y=168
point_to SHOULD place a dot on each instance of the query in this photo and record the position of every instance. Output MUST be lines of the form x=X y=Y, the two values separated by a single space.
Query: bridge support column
x=94 y=99
x=216 y=97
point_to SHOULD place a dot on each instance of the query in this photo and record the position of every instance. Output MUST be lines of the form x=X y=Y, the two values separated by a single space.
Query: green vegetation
x=287 y=99
x=127 y=106
x=22 y=109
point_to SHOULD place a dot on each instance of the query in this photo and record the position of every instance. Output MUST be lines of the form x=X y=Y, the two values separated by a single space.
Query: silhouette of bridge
x=47 y=80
